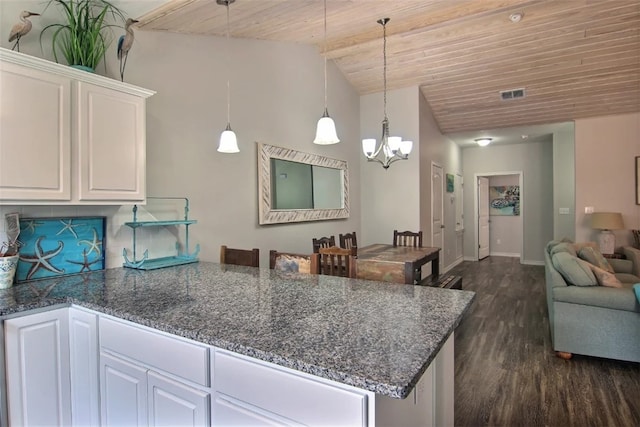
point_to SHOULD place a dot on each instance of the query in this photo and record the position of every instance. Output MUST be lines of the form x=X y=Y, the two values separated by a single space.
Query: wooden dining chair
x=248 y=257
x=293 y=263
x=335 y=261
x=407 y=238
x=323 y=242
x=348 y=240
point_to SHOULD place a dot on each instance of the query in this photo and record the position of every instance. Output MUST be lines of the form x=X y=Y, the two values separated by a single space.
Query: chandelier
x=391 y=148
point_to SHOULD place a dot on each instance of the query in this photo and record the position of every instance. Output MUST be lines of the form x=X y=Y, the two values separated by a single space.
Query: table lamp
x=605 y=222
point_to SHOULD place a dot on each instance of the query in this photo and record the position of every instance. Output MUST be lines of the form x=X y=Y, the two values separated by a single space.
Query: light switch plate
x=588 y=209
x=564 y=211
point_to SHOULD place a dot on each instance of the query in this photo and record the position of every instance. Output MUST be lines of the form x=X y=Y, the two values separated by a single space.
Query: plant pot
x=84 y=68
x=8 y=266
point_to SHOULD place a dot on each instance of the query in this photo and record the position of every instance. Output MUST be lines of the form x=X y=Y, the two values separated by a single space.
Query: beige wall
x=605 y=172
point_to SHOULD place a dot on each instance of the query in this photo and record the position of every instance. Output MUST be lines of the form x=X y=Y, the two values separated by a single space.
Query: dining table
x=389 y=263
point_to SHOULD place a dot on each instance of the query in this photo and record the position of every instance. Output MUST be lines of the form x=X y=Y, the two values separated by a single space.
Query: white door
x=437 y=226
x=483 y=217
x=37 y=361
x=123 y=388
x=172 y=403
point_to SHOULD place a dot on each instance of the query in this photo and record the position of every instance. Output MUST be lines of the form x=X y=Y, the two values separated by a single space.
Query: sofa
x=593 y=309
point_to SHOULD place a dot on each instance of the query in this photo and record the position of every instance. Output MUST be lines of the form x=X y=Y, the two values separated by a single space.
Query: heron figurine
x=21 y=28
x=124 y=45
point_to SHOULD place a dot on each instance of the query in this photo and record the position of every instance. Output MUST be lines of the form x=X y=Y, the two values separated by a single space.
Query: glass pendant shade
x=406 y=147
x=326 y=131
x=228 y=141
x=368 y=146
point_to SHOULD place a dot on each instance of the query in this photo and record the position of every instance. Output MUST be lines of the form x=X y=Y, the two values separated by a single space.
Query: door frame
x=442 y=221
x=476 y=213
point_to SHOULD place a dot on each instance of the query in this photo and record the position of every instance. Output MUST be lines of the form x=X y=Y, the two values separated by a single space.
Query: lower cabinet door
x=172 y=403
x=37 y=369
x=83 y=346
x=123 y=388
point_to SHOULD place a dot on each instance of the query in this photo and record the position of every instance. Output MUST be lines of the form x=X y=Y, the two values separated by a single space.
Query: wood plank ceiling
x=574 y=58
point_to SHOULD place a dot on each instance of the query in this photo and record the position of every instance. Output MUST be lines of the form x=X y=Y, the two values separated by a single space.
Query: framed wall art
x=60 y=246
x=504 y=200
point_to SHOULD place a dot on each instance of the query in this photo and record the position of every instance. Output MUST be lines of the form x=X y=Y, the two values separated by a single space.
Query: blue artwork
x=60 y=246
x=504 y=200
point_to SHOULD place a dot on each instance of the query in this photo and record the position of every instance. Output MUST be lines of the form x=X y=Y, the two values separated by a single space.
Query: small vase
x=84 y=68
x=8 y=266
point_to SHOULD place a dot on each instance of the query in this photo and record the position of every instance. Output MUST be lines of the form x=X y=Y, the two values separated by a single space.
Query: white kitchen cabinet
x=255 y=392
x=37 y=369
x=124 y=392
x=68 y=136
x=83 y=358
x=148 y=377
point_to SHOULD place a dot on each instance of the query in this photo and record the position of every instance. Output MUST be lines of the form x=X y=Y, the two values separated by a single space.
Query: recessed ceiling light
x=516 y=17
x=483 y=142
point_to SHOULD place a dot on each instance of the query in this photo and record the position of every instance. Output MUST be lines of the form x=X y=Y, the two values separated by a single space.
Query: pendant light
x=228 y=141
x=326 y=130
x=391 y=148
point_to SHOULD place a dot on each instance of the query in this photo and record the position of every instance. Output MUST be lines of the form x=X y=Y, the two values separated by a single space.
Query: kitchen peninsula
x=246 y=344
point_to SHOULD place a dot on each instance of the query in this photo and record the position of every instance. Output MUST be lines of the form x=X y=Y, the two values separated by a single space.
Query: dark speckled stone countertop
x=376 y=336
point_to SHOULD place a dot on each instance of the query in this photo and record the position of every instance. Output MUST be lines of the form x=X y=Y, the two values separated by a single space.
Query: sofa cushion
x=633 y=255
x=627 y=278
x=593 y=256
x=599 y=296
x=605 y=278
x=563 y=247
x=574 y=270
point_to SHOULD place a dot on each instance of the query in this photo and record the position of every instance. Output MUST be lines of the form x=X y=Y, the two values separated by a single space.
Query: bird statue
x=124 y=45
x=21 y=28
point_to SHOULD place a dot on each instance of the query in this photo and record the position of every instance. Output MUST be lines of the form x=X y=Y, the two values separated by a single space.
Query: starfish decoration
x=40 y=258
x=69 y=226
x=93 y=245
x=85 y=263
x=31 y=225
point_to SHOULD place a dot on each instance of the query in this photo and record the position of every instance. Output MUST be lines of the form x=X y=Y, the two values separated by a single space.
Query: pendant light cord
x=228 y=72
x=384 y=55
x=325 y=55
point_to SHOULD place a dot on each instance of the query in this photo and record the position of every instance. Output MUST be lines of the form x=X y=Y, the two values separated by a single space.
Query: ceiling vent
x=512 y=94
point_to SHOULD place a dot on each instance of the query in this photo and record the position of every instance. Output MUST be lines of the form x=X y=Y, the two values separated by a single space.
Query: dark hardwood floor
x=506 y=371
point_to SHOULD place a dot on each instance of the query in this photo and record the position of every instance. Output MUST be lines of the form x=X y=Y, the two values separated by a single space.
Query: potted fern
x=86 y=34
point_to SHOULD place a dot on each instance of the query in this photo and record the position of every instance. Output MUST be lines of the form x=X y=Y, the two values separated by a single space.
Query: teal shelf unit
x=181 y=258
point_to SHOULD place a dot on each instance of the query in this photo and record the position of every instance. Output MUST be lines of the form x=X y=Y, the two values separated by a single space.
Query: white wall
x=276 y=97
x=606 y=148
x=535 y=160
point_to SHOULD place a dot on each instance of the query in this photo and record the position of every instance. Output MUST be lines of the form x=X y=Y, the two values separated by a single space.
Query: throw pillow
x=594 y=256
x=605 y=278
x=563 y=247
x=574 y=270
x=636 y=289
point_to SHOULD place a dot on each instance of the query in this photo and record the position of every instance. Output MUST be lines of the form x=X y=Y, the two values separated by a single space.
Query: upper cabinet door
x=111 y=144
x=35 y=137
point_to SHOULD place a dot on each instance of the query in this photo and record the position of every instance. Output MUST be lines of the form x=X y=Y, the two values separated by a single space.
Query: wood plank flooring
x=506 y=371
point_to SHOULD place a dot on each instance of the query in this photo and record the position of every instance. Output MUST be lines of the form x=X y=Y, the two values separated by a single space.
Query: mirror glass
x=296 y=186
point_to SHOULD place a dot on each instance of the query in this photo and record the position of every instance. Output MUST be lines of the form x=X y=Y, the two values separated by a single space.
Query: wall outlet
x=588 y=209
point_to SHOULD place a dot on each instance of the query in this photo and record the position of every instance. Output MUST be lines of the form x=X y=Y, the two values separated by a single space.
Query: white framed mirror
x=295 y=186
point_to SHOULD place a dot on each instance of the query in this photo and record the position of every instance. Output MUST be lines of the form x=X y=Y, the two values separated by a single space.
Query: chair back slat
x=248 y=257
x=407 y=238
x=348 y=240
x=335 y=261
x=323 y=242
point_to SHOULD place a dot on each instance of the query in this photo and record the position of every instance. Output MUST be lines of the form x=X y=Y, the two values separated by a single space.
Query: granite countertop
x=375 y=336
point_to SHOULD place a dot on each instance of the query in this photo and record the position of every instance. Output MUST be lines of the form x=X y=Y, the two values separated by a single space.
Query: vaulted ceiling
x=573 y=58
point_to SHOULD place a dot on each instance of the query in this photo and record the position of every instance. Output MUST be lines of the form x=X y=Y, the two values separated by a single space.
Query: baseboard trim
x=507 y=254
x=455 y=263
x=531 y=262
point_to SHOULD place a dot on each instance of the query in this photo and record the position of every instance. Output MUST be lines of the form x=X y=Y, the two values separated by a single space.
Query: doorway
x=498 y=223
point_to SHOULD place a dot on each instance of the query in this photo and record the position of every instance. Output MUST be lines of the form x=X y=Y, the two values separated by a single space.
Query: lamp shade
x=228 y=142
x=607 y=221
x=326 y=131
